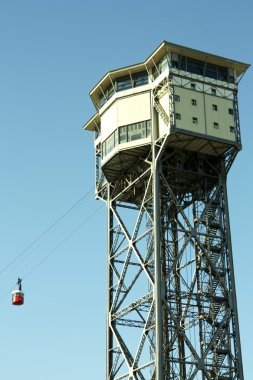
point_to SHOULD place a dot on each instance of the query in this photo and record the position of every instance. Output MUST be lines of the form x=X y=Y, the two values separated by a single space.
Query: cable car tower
x=166 y=134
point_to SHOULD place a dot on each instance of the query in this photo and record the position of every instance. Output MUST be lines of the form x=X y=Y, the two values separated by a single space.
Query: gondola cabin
x=18 y=298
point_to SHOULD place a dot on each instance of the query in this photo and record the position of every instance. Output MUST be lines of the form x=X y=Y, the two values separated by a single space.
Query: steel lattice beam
x=198 y=319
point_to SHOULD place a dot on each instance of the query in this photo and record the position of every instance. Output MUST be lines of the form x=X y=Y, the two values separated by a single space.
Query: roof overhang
x=162 y=49
x=93 y=123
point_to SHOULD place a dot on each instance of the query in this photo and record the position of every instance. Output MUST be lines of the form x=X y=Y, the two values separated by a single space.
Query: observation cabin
x=185 y=95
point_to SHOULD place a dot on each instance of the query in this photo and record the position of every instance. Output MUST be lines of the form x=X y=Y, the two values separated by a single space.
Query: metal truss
x=171 y=292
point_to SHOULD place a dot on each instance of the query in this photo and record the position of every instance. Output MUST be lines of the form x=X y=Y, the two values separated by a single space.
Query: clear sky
x=52 y=53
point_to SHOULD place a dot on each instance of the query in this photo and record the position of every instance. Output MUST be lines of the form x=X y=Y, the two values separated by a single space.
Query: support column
x=109 y=335
x=232 y=296
x=157 y=269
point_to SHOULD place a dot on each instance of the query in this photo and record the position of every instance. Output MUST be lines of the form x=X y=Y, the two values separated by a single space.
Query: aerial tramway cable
x=32 y=246
x=44 y=233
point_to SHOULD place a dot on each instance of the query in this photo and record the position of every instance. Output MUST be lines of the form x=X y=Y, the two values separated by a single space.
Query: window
x=232 y=129
x=195 y=120
x=127 y=133
x=193 y=86
x=123 y=83
x=140 y=79
x=136 y=131
x=194 y=102
x=159 y=67
x=102 y=100
x=213 y=91
x=216 y=125
x=183 y=63
x=231 y=111
x=177 y=98
x=214 y=107
x=110 y=143
x=201 y=68
x=110 y=91
x=175 y=60
x=122 y=135
x=106 y=95
x=222 y=73
x=148 y=128
x=211 y=71
x=178 y=116
x=194 y=66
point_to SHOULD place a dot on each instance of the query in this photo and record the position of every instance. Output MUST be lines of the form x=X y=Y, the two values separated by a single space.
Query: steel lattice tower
x=166 y=134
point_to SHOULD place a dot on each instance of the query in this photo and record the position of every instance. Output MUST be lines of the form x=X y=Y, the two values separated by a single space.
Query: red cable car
x=18 y=295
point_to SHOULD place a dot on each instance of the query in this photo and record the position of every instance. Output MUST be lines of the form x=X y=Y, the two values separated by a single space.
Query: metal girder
x=198 y=323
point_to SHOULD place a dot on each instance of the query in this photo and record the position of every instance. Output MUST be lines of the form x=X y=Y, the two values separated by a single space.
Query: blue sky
x=52 y=54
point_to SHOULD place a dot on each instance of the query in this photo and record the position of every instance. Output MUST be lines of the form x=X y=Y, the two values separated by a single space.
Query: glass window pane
x=182 y=63
x=222 y=73
x=124 y=83
x=148 y=126
x=110 y=92
x=110 y=144
x=122 y=135
x=195 y=67
x=142 y=129
x=134 y=132
x=211 y=71
x=102 y=100
x=140 y=79
x=116 y=137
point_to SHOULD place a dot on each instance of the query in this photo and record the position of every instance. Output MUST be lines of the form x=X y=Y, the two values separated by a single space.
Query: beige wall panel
x=188 y=111
x=221 y=116
x=109 y=121
x=134 y=109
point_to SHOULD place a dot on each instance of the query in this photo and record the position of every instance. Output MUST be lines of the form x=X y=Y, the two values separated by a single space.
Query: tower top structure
x=166 y=48
x=193 y=92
